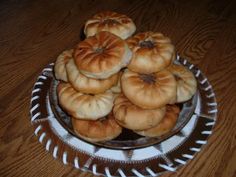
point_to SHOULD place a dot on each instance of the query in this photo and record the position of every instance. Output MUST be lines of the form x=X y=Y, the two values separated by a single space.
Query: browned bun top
x=118 y=24
x=149 y=90
x=99 y=53
x=166 y=124
x=152 y=52
x=103 y=129
x=133 y=117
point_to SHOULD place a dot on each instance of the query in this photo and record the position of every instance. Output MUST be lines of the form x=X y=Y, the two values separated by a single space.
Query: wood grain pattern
x=33 y=33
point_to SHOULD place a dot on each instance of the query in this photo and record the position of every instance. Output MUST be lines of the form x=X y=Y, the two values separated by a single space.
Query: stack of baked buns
x=112 y=80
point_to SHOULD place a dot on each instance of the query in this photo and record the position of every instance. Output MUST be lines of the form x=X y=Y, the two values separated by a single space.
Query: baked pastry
x=102 y=55
x=149 y=91
x=133 y=117
x=117 y=88
x=88 y=85
x=166 y=125
x=118 y=24
x=84 y=106
x=59 y=68
x=186 y=82
x=103 y=129
x=152 y=52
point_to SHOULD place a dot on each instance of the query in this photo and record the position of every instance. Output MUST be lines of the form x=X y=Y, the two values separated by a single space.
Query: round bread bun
x=60 y=68
x=117 y=88
x=166 y=125
x=133 y=117
x=152 y=52
x=84 y=106
x=149 y=91
x=103 y=129
x=88 y=85
x=115 y=23
x=102 y=55
x=186 y=82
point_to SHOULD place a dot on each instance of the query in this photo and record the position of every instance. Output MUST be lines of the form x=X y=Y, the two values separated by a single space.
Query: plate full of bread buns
x=121 y=90
x=113 y=82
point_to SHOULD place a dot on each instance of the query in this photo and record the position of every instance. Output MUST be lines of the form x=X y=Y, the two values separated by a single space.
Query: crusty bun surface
x=133 y=117
x=102 y=55
x=103 y=129
x=152 y=52
x=166 y=125
x=88 y=85
x=149 y=91
x=60 y=65
x=118 y=24
x=186 y=82
x=84 y=106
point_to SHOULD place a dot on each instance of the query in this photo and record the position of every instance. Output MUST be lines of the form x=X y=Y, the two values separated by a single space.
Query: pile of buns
x=114 y=79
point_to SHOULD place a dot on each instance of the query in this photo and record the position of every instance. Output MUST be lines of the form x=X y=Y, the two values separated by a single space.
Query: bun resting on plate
x=186 y=82
x=103 y=129
x=166 y=124
x=152 y=52
x=115 y=23
x=88 y=85
x=133 y=117
x=149 y=91
x=60 y=68
x=84 y=106
x=102 y=55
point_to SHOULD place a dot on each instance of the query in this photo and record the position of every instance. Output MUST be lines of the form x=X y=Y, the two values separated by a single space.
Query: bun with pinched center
x=152 y=52
x=84 y=106
x=149 y=91
x=103 y=129
x=102 y=55
x=60 y=65
x=166 y=124
x=115 y=23
x=186 y=82
x=133 y=117
x=88 y=85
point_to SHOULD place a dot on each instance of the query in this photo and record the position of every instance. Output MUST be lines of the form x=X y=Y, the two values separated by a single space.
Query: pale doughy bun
x=115 y=23
x=103 y=129
x=186 y=82
x=166 y=125
x=88 y=85
x=149 y=91
x=152 y=52
x=133 y=117
x=60 y=65
x=102 y=55
x=84 y=106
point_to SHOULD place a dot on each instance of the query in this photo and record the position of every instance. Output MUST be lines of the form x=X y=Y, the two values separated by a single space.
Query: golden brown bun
x=166 y=125
x=115 y=23
x=149 y=91
x=84 y=106
x=102 y=55
x=60 y=68
x=88 y=85
x=186 y=82
x=133 y=117
x=103 y=129
x=152 y=52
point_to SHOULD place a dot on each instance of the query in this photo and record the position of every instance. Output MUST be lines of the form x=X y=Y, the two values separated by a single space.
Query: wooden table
x=33 y=33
